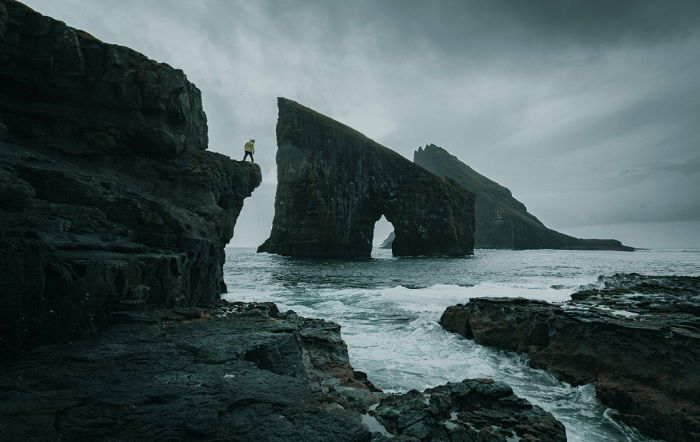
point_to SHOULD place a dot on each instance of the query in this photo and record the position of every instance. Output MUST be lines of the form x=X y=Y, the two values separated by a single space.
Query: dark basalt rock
x=108 y=201
x=471 y=410
x=637 y=337
x=502 y=222
x=241 y=372
x=334 y=184
x=63 y=89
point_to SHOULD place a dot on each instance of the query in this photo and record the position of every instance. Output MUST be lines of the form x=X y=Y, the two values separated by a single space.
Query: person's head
x=252 y=140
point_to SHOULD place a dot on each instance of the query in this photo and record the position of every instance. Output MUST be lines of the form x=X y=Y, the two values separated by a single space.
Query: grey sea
x=389 y=309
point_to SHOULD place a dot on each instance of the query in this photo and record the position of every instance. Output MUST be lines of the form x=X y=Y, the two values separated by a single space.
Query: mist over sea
x=389 y=309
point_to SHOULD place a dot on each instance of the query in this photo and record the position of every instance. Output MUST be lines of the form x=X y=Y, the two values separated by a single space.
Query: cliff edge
x=108 y=199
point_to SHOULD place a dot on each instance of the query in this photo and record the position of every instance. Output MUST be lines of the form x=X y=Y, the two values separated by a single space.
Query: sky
x=589 y=111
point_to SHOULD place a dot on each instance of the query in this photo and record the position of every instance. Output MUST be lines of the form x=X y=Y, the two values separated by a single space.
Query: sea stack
x=503 y=222
x=334 y=184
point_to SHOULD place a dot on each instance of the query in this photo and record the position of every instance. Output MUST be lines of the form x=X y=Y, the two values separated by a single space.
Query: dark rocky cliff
x=334 y=184
x=503 y=222
x=108 y=199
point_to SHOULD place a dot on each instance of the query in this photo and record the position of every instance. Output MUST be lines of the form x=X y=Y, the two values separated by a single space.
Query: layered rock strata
x=108 y=199
x=637 y=337
x=502 y=222
x=334 y=184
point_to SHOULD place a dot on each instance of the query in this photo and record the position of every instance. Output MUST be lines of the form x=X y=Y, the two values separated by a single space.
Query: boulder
x=334 y=184
x=471 y=410
x=637 y=337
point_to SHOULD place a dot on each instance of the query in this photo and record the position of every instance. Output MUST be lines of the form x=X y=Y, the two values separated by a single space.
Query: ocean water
x=389 y=307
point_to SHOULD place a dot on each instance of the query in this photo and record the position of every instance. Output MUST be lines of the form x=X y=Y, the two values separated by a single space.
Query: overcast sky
x=588 y=111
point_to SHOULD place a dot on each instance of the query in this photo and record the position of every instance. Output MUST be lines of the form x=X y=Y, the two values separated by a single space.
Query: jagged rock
x=637 y=337
x=471 y=410
x=241 y=372
x=108 y=201
x=334 y=184
x=502 y=222
x=63 y=89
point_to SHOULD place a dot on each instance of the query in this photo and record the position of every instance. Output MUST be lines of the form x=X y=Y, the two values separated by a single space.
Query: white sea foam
x=389 y=310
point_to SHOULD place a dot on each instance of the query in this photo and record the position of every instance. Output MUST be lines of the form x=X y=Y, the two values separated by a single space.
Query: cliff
x=334 y=184
x=108 y=199
x=503 y=222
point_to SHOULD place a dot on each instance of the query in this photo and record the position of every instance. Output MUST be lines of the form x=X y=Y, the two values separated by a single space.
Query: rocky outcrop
x=108 y=200
x=637 y=337
x=503 y=222
x=63 y=89
x=471 y=410
x=334 y=184
x=240 y=372
x=243 y=372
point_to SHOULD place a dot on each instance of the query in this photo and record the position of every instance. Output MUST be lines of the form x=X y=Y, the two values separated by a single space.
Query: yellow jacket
x=250 y=146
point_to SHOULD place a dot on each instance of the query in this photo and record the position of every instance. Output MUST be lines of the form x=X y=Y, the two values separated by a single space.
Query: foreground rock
x=502 y=222
x=334 y=184
x=108 y=199
x=471 y=410
x=246 y=373
x=637 y=337
x=239 y=372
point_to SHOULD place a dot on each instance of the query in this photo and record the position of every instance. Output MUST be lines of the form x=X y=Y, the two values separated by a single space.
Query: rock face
x=245 y=372
x=637 y=337
x=334 y=184
x=502 y=222
x=108 y=200
x=471 y=410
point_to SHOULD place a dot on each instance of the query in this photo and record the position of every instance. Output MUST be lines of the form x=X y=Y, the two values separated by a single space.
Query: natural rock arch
x=334 y=184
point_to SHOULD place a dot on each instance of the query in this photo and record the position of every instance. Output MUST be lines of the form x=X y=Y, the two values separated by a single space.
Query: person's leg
x=246 y=156
x=251 y=158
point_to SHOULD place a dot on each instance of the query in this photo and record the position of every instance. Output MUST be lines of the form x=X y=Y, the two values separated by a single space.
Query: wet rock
x=502 y=222
x=108 y=200
x=637 y=337
x=240 y=372
x=471 y=410
x=334 y=184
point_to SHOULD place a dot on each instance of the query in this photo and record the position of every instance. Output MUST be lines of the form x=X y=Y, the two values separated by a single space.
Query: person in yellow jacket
x=249 y=150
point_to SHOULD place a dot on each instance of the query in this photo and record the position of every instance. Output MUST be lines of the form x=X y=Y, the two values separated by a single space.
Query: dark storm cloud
x=587 y=110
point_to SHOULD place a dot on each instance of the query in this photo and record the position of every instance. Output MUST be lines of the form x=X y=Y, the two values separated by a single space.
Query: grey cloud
x=587 y=110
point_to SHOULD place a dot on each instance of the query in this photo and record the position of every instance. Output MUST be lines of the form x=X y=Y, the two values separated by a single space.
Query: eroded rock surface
x=471 y=410
x=637 y=337
x=502 y=222
x=334 y=184
x=242 y=372
x=108 y=200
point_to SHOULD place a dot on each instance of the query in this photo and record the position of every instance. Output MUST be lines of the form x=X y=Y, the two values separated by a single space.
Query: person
x=249 y=150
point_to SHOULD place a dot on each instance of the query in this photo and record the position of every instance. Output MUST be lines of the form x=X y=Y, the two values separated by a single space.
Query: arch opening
x=382 y=229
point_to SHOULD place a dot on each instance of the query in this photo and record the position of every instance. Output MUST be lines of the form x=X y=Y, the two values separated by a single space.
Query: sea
x=389 y=309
